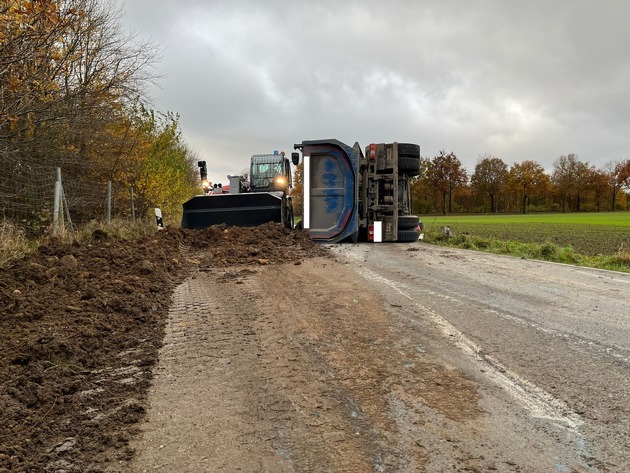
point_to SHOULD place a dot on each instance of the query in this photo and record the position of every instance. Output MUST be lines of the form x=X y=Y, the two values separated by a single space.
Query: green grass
x=610 y=219
x=599 y=240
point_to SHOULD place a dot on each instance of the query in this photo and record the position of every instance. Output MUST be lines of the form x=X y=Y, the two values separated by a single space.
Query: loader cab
x=270 y=172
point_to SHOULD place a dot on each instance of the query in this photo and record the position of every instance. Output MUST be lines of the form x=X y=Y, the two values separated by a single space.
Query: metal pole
x=57 y=203
x=133 y=208
x=109 y=202
x=62 y=222
x=306 y=200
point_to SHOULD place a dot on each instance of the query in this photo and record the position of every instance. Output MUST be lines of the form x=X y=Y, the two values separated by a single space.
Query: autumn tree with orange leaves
x=490 y=178
x=72 y=87
x=447 y=175
x=528 y=179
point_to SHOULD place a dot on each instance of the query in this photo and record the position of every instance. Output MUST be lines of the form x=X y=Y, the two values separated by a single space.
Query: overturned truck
x=348 y=195
x=352 y=196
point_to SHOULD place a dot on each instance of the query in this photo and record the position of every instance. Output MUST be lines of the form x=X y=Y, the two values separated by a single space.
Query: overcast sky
x=516 y=79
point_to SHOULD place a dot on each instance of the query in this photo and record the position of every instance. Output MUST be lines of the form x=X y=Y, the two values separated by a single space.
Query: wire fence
x=41 y=198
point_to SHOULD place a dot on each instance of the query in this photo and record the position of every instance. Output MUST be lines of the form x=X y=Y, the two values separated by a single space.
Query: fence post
x=133 y=208
x=109 y=202
x=158 y=219
x=57 y=203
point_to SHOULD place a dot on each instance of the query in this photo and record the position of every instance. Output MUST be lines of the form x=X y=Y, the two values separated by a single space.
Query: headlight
x=281 y=181
x=205 y=184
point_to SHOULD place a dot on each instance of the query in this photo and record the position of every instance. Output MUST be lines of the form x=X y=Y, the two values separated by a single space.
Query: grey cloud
x=521 y=80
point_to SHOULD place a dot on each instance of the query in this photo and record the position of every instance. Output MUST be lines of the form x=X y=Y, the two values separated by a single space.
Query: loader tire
x=408 y=221
x=409 y=165
x=408 y=235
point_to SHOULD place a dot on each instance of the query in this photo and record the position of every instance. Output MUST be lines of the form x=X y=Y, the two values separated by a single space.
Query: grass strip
x=546 y=251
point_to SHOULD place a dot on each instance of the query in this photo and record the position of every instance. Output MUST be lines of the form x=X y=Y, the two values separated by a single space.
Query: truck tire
x=408 y=235
x=408 y=221
x=408 y=149
x=409 y=165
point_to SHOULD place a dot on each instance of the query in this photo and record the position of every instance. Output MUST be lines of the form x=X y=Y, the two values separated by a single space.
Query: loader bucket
x=239 y=210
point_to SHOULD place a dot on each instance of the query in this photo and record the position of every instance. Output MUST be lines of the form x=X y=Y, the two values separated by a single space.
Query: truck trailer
x=354 y=196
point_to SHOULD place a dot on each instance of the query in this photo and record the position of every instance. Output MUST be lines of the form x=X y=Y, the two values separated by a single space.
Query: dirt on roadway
x=244 y=350
x=291 y=368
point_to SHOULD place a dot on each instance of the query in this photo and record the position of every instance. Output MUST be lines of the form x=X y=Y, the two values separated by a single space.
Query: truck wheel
x=408 y=149
x=408 y=235
x=409 y=165
x=408 y=221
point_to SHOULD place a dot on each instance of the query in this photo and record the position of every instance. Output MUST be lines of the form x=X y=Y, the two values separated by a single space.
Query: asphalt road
x=548 y=343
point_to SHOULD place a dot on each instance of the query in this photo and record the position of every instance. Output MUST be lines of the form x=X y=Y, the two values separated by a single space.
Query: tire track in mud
x=201 y=396
x=236 y=388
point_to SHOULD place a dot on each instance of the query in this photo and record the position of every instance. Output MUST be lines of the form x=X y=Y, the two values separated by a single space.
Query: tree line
x=444 y=186
x=73 y=94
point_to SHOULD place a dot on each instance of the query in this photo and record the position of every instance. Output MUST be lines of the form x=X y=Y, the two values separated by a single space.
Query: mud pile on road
x=81 y=327
x=220 y=246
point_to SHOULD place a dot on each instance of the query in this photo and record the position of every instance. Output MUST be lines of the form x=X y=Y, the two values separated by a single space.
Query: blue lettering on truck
x=330 y=179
